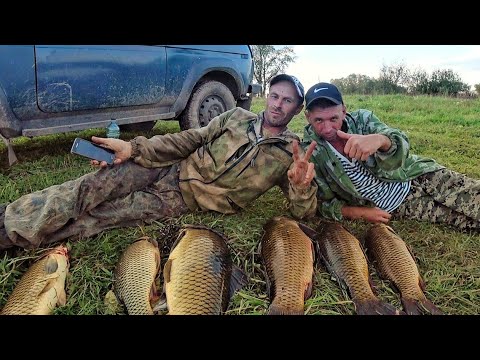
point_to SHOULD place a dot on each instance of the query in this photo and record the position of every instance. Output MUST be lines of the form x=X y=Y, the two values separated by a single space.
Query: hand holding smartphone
x=92 y=151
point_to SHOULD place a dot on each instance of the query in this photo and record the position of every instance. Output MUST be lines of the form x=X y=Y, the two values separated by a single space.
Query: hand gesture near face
x=302 y=171
x=361 y=147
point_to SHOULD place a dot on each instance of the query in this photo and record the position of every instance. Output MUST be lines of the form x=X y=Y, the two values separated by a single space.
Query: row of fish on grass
x=200 y=278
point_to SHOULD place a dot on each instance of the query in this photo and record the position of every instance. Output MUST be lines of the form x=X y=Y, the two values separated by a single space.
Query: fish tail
x=275 y=309
x=376 y=307
x=420 y=307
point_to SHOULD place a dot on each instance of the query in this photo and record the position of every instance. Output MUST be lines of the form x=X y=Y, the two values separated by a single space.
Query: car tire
x=143 y=126
x=209 y=99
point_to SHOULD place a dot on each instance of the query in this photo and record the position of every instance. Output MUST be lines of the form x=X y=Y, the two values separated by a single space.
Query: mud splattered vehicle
x=46 y=89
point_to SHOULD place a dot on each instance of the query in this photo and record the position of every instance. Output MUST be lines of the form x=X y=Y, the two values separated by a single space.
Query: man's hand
x=302 y=172
x=374 y=215
x=361 y=147
x=122 y=149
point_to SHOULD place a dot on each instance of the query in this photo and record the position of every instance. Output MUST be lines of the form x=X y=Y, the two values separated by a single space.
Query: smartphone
x=92 y=151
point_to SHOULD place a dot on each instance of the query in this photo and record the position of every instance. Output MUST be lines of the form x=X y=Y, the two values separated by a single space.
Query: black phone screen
x=92 y=151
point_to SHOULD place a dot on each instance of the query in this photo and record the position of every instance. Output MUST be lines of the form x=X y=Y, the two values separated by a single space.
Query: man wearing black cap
x=222 y=167
x=364 y=169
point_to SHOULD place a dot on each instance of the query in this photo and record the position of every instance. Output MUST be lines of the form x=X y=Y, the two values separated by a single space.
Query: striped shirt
x=386 y=195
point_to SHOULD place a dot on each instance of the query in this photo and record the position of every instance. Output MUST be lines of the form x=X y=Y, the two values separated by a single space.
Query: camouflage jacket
x=227 y=164
x=334 y=186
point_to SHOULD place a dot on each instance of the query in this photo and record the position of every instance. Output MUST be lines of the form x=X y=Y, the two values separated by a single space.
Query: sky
x=317 y=63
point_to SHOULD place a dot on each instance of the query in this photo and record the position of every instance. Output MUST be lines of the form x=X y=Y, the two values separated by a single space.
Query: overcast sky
x=316 y=63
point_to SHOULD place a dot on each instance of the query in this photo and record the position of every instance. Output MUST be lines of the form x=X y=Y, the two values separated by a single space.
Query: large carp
x=199 y=278
x=396 y=263
x=288 y=255
x=42 y=287
x=135 y=275
x=345 y=260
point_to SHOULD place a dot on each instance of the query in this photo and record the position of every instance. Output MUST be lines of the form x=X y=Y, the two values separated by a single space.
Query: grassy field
x=444 y=128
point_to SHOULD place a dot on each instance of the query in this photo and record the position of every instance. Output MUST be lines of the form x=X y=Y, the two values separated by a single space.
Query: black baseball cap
x=323 y=91
x=293 y=80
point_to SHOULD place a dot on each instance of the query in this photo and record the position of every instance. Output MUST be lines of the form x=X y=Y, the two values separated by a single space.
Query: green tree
x=270 y=61
x=393 y=78
x=477 y=88
x=419 y=82
x=446 y=82
x=355 y=84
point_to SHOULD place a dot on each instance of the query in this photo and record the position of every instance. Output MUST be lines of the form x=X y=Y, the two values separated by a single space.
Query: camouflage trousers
x=443 y=196
x=123 y=195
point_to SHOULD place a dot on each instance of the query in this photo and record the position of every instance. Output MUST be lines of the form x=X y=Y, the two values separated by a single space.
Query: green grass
x=444 y=128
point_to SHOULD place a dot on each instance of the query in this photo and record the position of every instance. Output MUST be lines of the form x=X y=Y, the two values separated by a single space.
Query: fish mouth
x=61 y=249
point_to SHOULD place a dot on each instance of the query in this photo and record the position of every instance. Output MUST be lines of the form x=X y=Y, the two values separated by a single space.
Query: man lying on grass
x=364 y=169
x=222 y=167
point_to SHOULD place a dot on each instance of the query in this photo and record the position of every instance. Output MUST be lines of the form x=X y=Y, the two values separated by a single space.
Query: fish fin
x=160 y=305
x=312 y=234
x=280 y=310
x=51 y=265
x=238 y=280
x=166 y=270
x=157 y=262
x=62 y=298
x=49 y=284
x=153 y=294
x=420 y=307
x=153 y=242
x=308 y=290
x=375 y=307
x=421 y=283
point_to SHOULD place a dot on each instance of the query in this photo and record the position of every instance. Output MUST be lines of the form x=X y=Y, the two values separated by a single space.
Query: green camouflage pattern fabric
x=335 y=188
x=443 y=196
x=122 y=195
x=228 y=164
x=221 y=167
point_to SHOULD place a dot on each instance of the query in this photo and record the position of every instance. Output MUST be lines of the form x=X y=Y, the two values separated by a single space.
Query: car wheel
x=143 y=126
x=208 y=100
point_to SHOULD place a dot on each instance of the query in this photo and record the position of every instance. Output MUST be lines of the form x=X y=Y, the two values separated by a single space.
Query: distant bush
x=398 y=79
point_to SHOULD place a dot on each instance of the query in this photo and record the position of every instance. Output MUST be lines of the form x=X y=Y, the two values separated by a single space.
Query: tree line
x=395 y=78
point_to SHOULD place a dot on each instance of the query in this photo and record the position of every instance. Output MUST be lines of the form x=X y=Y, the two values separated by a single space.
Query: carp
x=345 y=260
x=288 y=255
x=199 y=278
x=135 y=275
x=42 y=287
x=396 y=263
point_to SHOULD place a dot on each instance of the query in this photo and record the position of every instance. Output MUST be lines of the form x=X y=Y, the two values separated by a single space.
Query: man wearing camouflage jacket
x=364 y=169
x=222 y=167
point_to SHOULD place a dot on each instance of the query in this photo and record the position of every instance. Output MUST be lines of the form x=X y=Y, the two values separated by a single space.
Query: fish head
x=61 y=250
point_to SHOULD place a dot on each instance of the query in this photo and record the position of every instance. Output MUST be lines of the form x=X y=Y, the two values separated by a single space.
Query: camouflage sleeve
x=168 y=149
x=394 y=157
x=302 y=202
x=329 y=206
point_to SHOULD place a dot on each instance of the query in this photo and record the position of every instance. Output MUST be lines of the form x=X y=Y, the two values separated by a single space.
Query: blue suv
x=46 y=89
